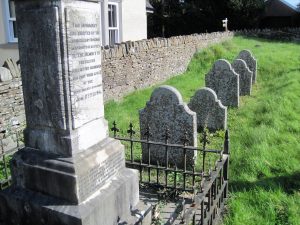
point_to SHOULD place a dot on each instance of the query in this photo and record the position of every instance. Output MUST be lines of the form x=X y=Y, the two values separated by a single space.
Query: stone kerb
x=225 y=82
x=211 y=113
x=251 y=62
x=245 y=76
x=166 y=110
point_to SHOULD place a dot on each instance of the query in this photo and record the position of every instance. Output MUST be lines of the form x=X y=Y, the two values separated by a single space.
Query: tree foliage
x=175 y=17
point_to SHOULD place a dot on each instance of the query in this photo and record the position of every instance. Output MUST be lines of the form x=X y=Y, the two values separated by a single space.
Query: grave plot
x=166 y=115
x=251 y=62
x=225 y=82
x=245 y=76
x=210 y=112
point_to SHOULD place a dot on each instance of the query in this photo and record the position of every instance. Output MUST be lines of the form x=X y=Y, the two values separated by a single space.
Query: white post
x=225 y=24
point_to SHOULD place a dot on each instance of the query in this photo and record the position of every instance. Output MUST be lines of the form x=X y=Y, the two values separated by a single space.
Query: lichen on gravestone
x=210 y=112
x=251 y=62
x=245 y=76
x=167 y=111
x=225 y=82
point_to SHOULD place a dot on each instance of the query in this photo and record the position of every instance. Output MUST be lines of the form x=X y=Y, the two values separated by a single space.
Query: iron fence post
x=226 y=165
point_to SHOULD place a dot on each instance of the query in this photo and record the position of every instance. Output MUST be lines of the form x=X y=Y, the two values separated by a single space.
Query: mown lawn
x=265 y=130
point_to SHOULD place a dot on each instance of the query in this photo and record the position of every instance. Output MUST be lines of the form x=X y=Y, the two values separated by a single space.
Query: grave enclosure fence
x=206 y=183
x=5 y=156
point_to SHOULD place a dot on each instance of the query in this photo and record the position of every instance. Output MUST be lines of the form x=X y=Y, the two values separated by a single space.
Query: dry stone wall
x=126 y=67
x=134 y=65
x=12 y=115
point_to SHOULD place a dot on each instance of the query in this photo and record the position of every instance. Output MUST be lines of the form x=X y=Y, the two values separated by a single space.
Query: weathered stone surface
x=70 y=171
x=251 y=62
x=245 y=76
x=225 y=82
x=5 y=74
x=166 y=110
x=12 y=66
x=136 y=65
x=211 y=113
x=64 y=107
x=123 y=73
x=111 y=204
x=81 y=175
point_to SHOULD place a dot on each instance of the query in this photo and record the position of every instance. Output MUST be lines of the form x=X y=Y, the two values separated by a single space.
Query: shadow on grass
x=289 y=184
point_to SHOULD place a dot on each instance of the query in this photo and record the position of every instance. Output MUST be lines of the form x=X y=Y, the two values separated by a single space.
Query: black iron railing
x=5 y=156
x=208 y=183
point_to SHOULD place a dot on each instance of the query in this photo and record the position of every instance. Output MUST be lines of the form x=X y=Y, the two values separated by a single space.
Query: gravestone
x=225 y=82
x=210 y=112
x=166 y=110
x=251 y=62
x=70 y=171
x=5 y=74
x=12 y=66
x=245 y=76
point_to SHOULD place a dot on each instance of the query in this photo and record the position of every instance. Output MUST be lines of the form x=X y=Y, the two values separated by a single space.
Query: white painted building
x=122 y=20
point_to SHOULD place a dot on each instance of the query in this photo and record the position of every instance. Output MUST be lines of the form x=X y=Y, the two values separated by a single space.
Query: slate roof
x=291 y=4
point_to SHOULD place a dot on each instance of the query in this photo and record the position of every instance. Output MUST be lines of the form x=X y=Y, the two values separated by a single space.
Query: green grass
x=265 y=130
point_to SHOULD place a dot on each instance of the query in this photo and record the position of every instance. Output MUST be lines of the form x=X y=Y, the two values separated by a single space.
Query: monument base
x=81 y=175
x=111 y=204
x=92 y=188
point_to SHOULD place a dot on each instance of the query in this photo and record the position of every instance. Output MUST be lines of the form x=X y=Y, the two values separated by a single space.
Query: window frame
x=9 y=23
x=117 y=28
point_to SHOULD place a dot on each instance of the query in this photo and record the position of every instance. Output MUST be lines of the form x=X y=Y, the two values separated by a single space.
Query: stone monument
x=70 y=172
x=245 y=76
x=225 y=82
x=247 y=56
x=210 y=112
x=166 y=110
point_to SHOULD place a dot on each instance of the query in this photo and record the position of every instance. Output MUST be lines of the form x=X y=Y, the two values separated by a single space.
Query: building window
x=11 y=20
x=113 y=23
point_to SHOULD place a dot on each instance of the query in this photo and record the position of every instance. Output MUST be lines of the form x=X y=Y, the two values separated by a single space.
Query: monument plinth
x=70 y=171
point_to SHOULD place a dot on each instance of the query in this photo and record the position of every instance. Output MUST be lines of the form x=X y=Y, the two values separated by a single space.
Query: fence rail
x=5 y=155
x=208 y=184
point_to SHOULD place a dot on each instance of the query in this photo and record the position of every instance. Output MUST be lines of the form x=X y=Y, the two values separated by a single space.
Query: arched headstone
x=247 y=56
x=245 y=76
x=210 y=111
x=225 y=82
x=166 y=110
x=5 y=74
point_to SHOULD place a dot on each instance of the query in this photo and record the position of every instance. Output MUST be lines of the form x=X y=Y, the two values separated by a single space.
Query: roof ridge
x=290 y=5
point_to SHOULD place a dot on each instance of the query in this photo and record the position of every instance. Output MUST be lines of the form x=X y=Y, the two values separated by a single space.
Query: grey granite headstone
x=225 y=82
x=245 y=75
x=251 y=62
x=166 y=110
x=70 y=171
x=13 y=67
x=5 y=74
x=210 y=112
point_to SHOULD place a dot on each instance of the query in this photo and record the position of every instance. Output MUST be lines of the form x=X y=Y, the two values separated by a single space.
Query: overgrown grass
x=265 y=140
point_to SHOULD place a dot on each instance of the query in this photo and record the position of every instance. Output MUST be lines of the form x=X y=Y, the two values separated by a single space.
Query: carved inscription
x=84 y=58
x=99 y=175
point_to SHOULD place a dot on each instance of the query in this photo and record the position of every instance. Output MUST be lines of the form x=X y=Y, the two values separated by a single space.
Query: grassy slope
x=265 y=140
